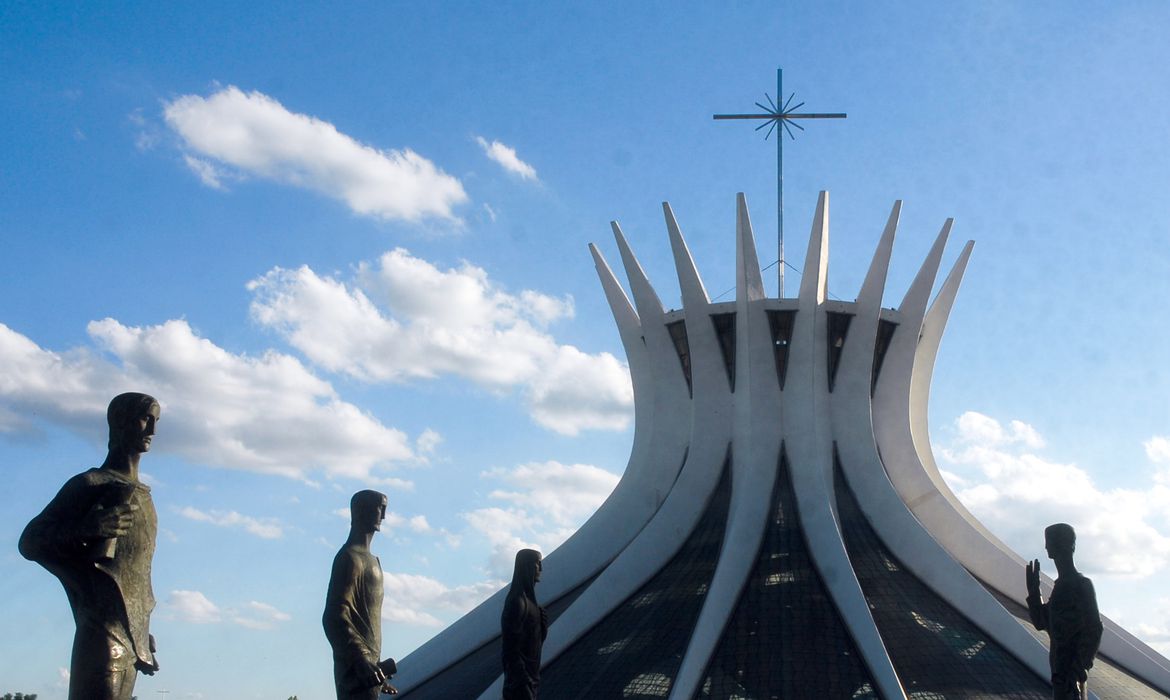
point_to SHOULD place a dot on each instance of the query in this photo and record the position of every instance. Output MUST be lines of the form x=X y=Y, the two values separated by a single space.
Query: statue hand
x=1032 y=577
x=1082 y=675
x=104 y=523
x=389 y=689
x=151 y=668
x=372 y=675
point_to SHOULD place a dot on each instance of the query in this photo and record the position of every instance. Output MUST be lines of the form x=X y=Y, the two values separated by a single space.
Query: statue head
x=367 y=510
x=132 y=417
x=526 y=572
x=1059 y=539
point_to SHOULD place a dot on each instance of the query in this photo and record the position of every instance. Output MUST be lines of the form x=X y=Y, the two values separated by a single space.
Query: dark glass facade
x=936 y=651
x=785 y=638
x=678 y=335
x=725 y=334
x=837 y=328
x=781 y=324
x=636 y=650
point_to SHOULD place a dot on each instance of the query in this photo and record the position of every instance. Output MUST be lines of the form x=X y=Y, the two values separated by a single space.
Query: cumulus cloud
x=255 y=135
x=404 y=318
x=999 y=474
x=193 y=606
x=266 y=413
x=207 y=172
x=428 y=440
x=418 y=600
x=1158 y=449
x=268 y=528
x=506 y=157
x=419 y=524
x=258 y=616
x=543 y=503
x=196 y=608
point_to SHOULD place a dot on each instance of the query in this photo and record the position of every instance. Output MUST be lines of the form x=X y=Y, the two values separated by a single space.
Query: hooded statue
x=524 y=625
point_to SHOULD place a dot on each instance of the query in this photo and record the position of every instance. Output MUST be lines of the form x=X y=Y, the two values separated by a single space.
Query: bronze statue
x=353 y=606
x=97 y=536
x=1070 y=615
x=524 y=625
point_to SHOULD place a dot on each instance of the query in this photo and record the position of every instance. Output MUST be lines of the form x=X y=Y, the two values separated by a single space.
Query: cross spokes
x=785 y=116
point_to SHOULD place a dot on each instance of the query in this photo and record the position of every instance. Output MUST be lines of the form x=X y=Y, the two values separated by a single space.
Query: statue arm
x=55 y=535
x=1038 y=611
x=1037 y=608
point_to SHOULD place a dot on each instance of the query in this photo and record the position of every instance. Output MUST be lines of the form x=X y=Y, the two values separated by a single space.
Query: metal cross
x=783 y=116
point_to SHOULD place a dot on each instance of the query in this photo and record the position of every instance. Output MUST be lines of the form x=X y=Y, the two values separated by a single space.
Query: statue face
x=538 y=565
x=138 y=431
x=370 y=515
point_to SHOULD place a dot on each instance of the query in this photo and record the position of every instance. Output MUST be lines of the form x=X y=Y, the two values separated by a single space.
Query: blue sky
x=347 y=248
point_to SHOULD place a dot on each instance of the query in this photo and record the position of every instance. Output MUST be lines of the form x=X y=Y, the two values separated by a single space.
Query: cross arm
x=813 y=115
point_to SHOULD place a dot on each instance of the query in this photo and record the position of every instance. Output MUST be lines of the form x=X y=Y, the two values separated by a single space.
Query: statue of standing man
x=97 y=536
x=353 y=606
x=524 y=627
x=1070 y=615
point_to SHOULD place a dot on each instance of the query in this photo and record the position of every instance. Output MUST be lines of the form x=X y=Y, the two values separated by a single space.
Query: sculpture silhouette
x=353 y=606
x=524 y=625
x=1070 y=615
x=97 y=537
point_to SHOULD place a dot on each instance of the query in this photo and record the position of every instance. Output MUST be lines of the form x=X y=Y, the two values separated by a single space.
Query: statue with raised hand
x=97 y=537
x=1070 y=615
x=353 y=606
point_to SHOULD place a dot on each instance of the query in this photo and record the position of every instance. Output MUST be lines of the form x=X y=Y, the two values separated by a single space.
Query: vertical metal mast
x=780 y=189
x=784 y=116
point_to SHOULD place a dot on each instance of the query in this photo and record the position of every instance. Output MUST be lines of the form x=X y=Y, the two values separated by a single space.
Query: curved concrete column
x=810 y=451
x=962 y=534
x=756 y=406
x=861 y=463
x=709 y=443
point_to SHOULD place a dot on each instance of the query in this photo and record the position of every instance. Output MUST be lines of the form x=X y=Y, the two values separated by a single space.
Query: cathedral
x=781 y=529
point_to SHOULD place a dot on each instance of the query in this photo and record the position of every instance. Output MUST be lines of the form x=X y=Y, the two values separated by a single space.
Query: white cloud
x=207 y=172
x=428 y=440
x=419 y=523
x=1158 y=449
x=506 y=157
x=417 y=600
x=193 y=606
x=404 y=318
x=259 y=616
x=62 y=677
x=268 y=528
x=547 y=502
x=567 y=493
x=266 y=414
x=1017 y=493
x=257 y=135
x=977 y=428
